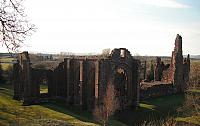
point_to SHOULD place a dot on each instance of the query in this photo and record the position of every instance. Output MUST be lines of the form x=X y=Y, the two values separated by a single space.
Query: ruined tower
x=177 y=68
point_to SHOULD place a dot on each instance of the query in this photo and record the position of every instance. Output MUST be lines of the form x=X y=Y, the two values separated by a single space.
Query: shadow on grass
x=73 y=111
x=6 y=91
x=154 y=109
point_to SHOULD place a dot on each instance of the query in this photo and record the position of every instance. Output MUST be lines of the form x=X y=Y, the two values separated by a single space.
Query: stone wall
x=156 y=89
x=159 y=68
x=168 y=78
x=179 y=69
x=77 y=80
x=82 y=80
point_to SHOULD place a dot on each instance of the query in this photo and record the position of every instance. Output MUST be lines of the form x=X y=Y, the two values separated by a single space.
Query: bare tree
x=110 y=104
x=106 y=52
x=14 y=26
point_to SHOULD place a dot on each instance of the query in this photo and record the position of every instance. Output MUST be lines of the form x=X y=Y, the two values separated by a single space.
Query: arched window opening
x=121 y=88
x=43 y=86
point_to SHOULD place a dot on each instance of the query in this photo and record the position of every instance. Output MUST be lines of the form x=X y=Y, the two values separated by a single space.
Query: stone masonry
x=82 y=80
x=79 y=80
x=179 y=68
x=168 y=78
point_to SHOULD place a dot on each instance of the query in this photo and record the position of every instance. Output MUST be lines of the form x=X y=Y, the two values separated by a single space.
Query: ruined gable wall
x=24 y=89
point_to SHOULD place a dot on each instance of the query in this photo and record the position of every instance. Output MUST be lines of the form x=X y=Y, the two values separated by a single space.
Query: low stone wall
x=155 y=89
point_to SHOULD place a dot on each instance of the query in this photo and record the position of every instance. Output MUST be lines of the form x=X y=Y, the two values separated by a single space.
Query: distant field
x=5 y=62
x=43 y=89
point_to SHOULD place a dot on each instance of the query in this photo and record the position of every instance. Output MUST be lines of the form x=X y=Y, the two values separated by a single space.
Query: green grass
x=5 y=66
x=194 y=90
x=190 y=120
x=5 y=59
x=157 y=109
x=147 y=106
x=43 y=88
x=152 y=109
x=12 y=112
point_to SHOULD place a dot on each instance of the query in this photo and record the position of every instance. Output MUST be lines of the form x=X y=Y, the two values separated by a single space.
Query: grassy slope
x=195 y=119
x=12 y=112
x=152 y=109
x=158 y=109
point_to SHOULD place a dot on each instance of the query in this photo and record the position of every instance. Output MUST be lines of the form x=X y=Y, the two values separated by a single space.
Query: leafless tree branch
x=14 y=26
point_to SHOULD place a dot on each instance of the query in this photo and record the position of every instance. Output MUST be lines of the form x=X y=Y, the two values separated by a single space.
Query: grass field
x=5 y=66
x=153 y=109
x=49 y=114
x=43 y=89
x=12 y=112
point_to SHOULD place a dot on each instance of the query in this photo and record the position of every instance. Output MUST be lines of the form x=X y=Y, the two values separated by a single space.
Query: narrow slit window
x=122 y=53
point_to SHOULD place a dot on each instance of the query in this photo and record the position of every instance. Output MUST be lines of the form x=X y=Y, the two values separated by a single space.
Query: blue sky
x=145 y=27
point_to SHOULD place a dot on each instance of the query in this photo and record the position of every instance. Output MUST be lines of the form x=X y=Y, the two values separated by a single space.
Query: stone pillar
x=27 y=84
x=96 y=82
x=16 y=81
x=71 y=82
x=137 y=84
x=158 y=70
x=186 y=71
x=176 y=67
x=145 y=69
x=68 y=79
x=81 y=83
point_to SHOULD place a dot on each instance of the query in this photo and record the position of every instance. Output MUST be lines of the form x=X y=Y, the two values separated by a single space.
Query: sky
x=144 y=27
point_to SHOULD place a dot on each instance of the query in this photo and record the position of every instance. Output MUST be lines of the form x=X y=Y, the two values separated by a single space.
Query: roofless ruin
x=82 y=80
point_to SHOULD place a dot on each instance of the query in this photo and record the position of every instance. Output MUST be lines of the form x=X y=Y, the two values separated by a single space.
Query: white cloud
x=163 y=3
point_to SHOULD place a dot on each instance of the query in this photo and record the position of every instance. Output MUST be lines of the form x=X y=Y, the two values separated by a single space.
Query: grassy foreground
x=54 y=114
x=155 y=109
x=13 y=113
x=160 y=110
x=48 y=114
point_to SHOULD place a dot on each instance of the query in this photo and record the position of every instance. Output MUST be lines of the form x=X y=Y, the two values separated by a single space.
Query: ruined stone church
x=82 y=80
